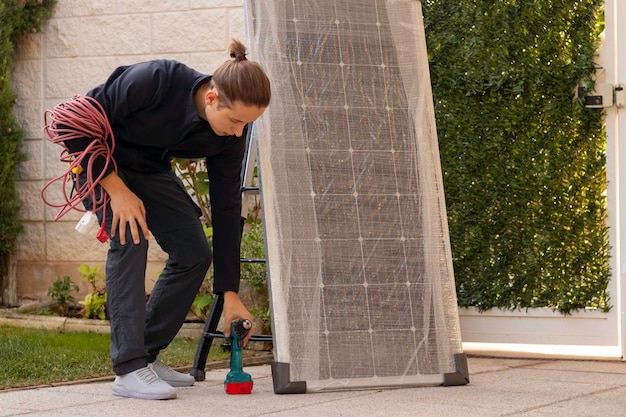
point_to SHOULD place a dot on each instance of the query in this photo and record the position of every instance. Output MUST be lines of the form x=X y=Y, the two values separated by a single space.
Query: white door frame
x=612 y=56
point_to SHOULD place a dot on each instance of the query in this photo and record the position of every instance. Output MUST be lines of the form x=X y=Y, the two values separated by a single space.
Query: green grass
x=34 y=356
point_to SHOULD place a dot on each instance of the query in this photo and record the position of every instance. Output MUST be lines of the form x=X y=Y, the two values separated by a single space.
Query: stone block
x=32 y=204
x=216 y=4
x=237 y=26
x=26 y=77
x=74 y=8
x=66 y=78
x=32 y=167
x=29 y=113
x=114 y=35
x=34 y=278
x=30 y=244
x=64 y=244
x=150 y=6
x=51 y=212
x=189 y=31
x=53 y=166
x=62 y=38
x=29 y=46
x=155 y=253
x=206 y=62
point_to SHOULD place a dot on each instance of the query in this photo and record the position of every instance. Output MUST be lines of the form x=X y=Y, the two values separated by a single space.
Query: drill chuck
x=240 y=327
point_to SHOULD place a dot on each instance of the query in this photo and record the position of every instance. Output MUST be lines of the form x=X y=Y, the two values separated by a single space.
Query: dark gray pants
x=139 y=331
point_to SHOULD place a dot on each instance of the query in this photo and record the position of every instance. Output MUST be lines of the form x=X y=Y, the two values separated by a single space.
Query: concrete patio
x=498 y=387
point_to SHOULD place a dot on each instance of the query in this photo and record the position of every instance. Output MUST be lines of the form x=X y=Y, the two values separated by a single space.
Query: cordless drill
x=237 y=381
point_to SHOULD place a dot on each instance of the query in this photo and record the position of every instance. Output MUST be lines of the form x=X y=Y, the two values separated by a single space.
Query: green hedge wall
x=16 y=18
x=523 y=161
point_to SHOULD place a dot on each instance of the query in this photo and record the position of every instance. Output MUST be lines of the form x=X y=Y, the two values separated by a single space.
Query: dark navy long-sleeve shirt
x=152 y=112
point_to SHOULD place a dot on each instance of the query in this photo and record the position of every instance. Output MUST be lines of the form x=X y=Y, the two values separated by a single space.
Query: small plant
x=255 y=272
x=263 y=313
x=94 y=304
x=60 y=292
x=203 y=300
x=253 y=247
x=194 y=175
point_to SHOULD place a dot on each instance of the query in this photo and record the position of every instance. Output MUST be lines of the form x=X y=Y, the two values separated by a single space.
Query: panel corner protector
x=282 y=384
x=461 y=376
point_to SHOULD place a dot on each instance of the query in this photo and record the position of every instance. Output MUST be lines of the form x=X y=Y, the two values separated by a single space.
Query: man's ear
x=211 y=96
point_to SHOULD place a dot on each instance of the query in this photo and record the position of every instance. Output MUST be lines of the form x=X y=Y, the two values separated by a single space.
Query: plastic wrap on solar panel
x=358 y=254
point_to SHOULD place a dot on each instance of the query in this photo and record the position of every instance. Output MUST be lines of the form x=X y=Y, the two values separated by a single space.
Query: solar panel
x=358 y=254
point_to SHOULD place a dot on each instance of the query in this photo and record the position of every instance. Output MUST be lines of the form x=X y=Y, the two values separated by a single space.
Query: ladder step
x=253 y=338
x=250 y=190
x=252 y=260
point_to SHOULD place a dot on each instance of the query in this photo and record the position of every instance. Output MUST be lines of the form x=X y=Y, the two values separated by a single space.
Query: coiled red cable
x=80 y=118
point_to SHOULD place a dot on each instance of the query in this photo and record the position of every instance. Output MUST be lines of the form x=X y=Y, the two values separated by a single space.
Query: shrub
x=523 y=161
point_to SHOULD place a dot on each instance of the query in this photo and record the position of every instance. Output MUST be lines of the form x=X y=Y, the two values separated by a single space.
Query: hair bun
x=238 y=55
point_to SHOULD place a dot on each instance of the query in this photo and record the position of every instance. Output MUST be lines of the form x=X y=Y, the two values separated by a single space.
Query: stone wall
x=79 y=47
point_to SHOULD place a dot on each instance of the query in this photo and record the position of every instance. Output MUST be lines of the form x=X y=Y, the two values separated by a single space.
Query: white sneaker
x=143 y=383
x=172 y=377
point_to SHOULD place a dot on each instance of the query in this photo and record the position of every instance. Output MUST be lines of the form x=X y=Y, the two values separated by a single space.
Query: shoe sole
x=123 y=392
x=178 y=384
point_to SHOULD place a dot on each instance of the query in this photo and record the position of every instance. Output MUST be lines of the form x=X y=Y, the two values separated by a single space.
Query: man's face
x=227 y=121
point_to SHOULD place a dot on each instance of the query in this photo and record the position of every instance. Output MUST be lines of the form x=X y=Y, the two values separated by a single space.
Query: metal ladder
x=215 y=312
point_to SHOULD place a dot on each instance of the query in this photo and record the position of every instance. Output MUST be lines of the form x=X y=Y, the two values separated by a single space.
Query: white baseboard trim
x=521 y=350
x=540 y=333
